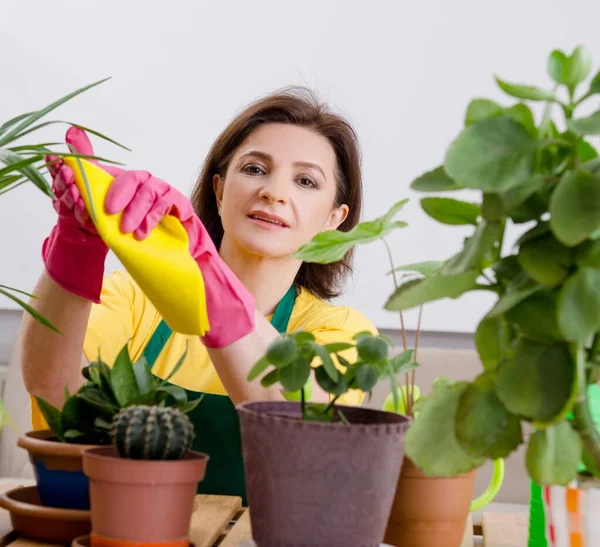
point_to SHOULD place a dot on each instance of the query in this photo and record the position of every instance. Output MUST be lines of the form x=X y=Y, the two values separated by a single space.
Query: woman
x=283 y=170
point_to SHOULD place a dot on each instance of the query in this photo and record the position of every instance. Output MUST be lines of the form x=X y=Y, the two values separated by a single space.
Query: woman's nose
x=275 y=189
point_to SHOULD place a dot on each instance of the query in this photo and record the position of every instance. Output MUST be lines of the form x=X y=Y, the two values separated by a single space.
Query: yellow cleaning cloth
x=161 y=263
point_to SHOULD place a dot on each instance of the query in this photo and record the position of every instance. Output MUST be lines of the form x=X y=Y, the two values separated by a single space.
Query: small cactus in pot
x=144 y=432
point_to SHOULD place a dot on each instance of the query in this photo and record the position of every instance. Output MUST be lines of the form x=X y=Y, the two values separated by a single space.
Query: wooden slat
x=211 y=516
x=241 y=531
x=505 y=529
x=467 y=540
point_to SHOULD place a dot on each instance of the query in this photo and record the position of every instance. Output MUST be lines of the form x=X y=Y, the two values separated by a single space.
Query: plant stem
x=405 y=396
x=583 y=418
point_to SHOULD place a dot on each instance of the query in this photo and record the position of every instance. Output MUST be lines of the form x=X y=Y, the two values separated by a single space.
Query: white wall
x=403 y=72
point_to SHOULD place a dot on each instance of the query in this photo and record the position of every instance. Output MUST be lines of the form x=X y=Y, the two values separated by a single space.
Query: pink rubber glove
x=145 y=201
x=73 y=253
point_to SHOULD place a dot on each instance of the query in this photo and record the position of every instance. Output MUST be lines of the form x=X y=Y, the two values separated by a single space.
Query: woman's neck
x=268 y=279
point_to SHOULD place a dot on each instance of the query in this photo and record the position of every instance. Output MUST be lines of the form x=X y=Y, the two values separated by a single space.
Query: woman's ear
x=218 y=188
x=336 y=217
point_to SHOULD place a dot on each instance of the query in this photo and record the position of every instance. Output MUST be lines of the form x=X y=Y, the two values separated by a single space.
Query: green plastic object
x=537 y=518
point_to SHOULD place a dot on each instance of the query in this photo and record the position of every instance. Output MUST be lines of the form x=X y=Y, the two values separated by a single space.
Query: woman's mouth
x=267 y=220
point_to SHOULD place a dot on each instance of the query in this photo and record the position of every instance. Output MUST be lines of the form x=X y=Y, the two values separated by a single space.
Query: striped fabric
x=572 y=516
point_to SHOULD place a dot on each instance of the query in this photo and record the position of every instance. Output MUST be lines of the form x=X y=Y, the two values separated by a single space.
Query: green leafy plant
x=87 y=415
x=26 y=162
x=539 y=344
x=292 y=358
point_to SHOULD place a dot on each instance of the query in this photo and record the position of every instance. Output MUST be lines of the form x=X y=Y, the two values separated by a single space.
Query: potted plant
x=314 y=471
x=85 y=422
x=539 y=344
x=148 y=467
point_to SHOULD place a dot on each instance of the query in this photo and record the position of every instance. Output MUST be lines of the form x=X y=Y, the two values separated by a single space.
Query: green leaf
x=578 y=67
x=595 y=85
x=401 y=360
x=372 y=349
x=293 y=376
x=533 y=233
x=525 y=91
x=557 y=66
x=546 y=260
x=507 y=268
x=176 y=392
x=492 y=208
x=590 y=125
x=482 y=109
x=588 y=254
x=435 y=287
x=493 y=155
x=282 y=351
x=143 y=376
x=366 y=377
x=190 y=405
x=553 y=454
x=586 y=151
x=33 y=312
x=436 y=180
x=328 y=365
x=99 y=400
x=520 y=289
x=318 y=412
x=101 y=423
x=423 y=268
x=477 y=249
x=271 y=378
x=302 y=337
x=574 y=207
x=579 y=305
x=26 y=122
x=334 y=347
x=511 y=199
x=123 y=378
x=403 y=369
x=52 y=416
x=71 y=434
x=13 y=121
x=451 y=211
x=522 y=114
x=492 y=340
x=536 y=317
x=31 y=173
x=177 y=365
x=259 y=367
x=431 y=442
x=536 y=382
x=332 y=245
x=484 y=427
x=335 y=387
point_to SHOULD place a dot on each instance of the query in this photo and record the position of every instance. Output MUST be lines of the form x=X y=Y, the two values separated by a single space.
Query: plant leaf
x=492 y=340
x=436 y=180
x=34 y=313
x=332 y=245
x=588 y=254
x=511 y=199
x=574 y=207
x=259 y=367
x=419 y=291
x=328 y=365
x=553 y=454
x=431 y=442
x=522 y=114
x=271 y=378
x=484 y=427
x=520 y=289
x=143 y=376
x=52 y=416
x=546 y=260
x=176 y=392
x=423 y=268
x=11 y=158
x=190 y=405
x=451 y=211
x=293 y=376
x=334 y=347
x=366 y=376
x=123 y=378
x=525 y=91
x=579 y=305
x=177 y=365
x=536 y=317
x=493 y=155
x=335 y=387
x=590 y=125
x=13 y=121
x=482 y=109
x=536 y=383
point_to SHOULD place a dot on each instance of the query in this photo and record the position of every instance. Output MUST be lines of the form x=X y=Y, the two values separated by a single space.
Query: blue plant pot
x=58 y=469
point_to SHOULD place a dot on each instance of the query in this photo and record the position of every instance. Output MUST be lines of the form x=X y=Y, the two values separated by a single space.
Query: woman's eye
x=308 y=183
x=254 y=170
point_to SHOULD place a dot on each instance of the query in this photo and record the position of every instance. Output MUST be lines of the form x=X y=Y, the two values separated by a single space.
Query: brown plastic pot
x=429 y=510
x=315 y=484
x=58 y=468
x=148 y=501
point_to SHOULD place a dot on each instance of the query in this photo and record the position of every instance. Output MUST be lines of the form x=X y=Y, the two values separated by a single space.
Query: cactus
x=145 y=432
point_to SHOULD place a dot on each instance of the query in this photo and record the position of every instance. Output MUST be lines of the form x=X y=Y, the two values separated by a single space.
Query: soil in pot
x=429 y=510
x=320 y=484
x=58 y=469
x=142 y=500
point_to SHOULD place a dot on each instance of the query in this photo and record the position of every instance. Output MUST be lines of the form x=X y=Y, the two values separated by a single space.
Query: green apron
x=215 y=420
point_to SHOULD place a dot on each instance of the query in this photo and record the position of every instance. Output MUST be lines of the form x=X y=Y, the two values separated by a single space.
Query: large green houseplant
x=539 y=344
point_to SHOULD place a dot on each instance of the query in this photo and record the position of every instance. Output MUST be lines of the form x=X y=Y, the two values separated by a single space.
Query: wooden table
x=222 y=521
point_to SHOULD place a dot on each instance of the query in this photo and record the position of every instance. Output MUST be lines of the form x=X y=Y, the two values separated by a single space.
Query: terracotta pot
x=147 y=501
x=429 y=510
x=58 y=469
x=320 y=484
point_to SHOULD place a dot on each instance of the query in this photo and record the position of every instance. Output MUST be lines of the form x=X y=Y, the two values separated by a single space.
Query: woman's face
x=279 y=191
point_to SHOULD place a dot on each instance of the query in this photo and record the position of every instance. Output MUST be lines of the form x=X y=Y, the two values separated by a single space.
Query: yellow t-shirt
x=126 y=316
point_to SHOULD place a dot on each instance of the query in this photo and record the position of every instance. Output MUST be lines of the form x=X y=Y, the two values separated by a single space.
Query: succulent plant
x=86 y=416
x=143 y=432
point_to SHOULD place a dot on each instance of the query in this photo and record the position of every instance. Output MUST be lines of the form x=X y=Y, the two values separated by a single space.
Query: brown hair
x=296 y=106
